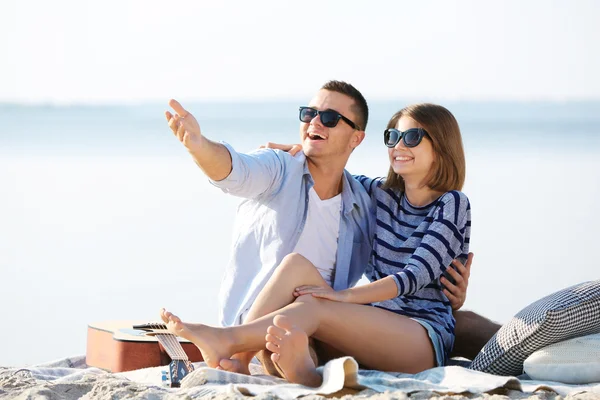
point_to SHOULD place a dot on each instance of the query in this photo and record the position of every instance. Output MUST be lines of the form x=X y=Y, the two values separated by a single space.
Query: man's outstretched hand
x=184 y=126
x=457 y=292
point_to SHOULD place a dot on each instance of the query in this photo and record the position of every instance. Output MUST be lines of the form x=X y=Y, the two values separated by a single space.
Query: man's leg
x=294 y=271
x=325 y=351
x=472 y=333
x=216 y=343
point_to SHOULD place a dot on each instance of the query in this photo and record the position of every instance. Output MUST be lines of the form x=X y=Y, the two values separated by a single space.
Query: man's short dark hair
x=360 y=107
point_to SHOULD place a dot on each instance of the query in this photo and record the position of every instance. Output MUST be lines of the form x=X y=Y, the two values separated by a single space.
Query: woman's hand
x=293 y=149
x=457 y=292
x=323 y=292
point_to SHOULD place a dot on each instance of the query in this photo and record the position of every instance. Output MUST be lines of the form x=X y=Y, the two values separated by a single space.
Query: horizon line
x=248 y=100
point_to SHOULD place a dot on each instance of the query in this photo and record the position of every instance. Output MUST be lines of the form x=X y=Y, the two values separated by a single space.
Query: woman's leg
x=376 y=338
x=294 y=271
x=409 y=348
x=289 y=345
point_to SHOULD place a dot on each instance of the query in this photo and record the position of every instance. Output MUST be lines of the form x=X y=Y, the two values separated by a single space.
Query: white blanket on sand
x=72 y=378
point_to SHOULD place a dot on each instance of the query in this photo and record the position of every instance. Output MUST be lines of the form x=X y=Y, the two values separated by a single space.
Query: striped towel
x=340 y=376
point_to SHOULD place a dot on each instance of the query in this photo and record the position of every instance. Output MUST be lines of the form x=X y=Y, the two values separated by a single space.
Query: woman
x=401 y=321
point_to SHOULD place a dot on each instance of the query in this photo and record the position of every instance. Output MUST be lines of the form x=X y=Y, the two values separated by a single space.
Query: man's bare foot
x=290 y=352
x=212 y=342
x=235 y=364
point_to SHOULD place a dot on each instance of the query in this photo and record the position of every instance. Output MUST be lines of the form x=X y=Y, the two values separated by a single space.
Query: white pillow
x=571 y=361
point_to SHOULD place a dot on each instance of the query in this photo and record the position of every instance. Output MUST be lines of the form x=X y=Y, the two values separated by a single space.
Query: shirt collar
x=348 y=197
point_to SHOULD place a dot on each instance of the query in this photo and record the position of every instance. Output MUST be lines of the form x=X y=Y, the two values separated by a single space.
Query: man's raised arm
x=212 y=157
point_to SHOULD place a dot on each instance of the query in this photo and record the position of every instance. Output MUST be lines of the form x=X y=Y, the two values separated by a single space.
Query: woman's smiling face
x=413 y=163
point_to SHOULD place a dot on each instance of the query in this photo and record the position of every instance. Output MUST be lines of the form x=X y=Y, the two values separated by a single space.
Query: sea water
x=104 y=216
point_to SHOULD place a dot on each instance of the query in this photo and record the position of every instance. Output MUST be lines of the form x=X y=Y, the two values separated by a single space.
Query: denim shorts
x=436 y=341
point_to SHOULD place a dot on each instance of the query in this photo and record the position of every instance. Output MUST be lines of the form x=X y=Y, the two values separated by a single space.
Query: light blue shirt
x=270 y=219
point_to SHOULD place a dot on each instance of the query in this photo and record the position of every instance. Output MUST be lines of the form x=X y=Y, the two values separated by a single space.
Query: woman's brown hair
x=448 y=171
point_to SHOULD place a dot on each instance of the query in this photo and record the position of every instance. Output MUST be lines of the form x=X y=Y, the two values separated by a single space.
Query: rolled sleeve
x=255 y=174
x=398 y=287
x=236 y=175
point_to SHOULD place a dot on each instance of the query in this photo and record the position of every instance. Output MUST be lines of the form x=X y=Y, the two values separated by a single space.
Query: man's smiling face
x=319 y=141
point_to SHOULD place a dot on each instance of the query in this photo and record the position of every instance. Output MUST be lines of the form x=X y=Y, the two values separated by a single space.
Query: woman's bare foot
x=290 y=352
x=213 y=343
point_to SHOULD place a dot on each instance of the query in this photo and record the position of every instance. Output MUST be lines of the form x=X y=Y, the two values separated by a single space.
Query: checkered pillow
x=568 y=313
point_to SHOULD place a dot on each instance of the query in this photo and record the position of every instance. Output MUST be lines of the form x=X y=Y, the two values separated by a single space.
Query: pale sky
x=143 y=50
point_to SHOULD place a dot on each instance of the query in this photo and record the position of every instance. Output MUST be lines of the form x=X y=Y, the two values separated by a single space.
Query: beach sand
x=20 y=385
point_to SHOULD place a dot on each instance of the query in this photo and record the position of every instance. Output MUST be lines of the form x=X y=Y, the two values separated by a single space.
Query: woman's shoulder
x=369 y=183
x=455 y=198
x=364 y=178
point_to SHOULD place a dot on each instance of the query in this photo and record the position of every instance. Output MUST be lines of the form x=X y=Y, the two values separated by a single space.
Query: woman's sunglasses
x=411 y=137
x=329 y=118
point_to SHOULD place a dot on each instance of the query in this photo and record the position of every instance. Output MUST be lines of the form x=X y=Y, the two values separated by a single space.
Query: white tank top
x=319 y=239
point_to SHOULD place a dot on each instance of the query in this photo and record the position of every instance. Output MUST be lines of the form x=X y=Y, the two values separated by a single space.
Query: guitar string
x=161 y=339
x=165 y=340
x=154 y=327
x=171 y=344
x=166 y=346
x=177 y=346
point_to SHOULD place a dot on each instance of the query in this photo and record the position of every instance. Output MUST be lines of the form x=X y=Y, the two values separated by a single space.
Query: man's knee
x=470 y=321
x=297 y=264
x=464 y=317
x=472 y=332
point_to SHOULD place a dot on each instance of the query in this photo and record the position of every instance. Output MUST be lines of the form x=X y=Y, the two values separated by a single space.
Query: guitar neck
x=115 y=346
x=165 y=338
x=151 y=326
x=172 y=346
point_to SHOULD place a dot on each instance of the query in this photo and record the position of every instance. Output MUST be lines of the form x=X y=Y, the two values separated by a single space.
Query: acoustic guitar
x=119 y=346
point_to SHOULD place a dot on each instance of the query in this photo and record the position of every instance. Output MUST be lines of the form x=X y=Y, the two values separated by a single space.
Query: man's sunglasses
x=411 y=137
x=329 y=118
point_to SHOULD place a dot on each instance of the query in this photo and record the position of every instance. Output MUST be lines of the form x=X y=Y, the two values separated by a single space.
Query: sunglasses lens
x=307 y=114
x=391 y=137
x=412 y=137
x=329 y=118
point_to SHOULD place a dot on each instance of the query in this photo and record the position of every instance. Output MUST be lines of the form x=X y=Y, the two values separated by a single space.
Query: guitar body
x=115 y=346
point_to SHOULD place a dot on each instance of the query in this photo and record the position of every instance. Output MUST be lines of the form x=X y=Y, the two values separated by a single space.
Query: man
x=276 y=189
x=279 y=191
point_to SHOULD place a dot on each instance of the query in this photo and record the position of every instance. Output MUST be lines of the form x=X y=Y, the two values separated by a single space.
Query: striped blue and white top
x=415 y=245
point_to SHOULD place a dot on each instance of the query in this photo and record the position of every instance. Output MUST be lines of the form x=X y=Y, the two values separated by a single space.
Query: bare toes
x=272 y=347
x=273 y=339
x=275 y=357
x=174 y=318
x=275 y=331
x=163 y=316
